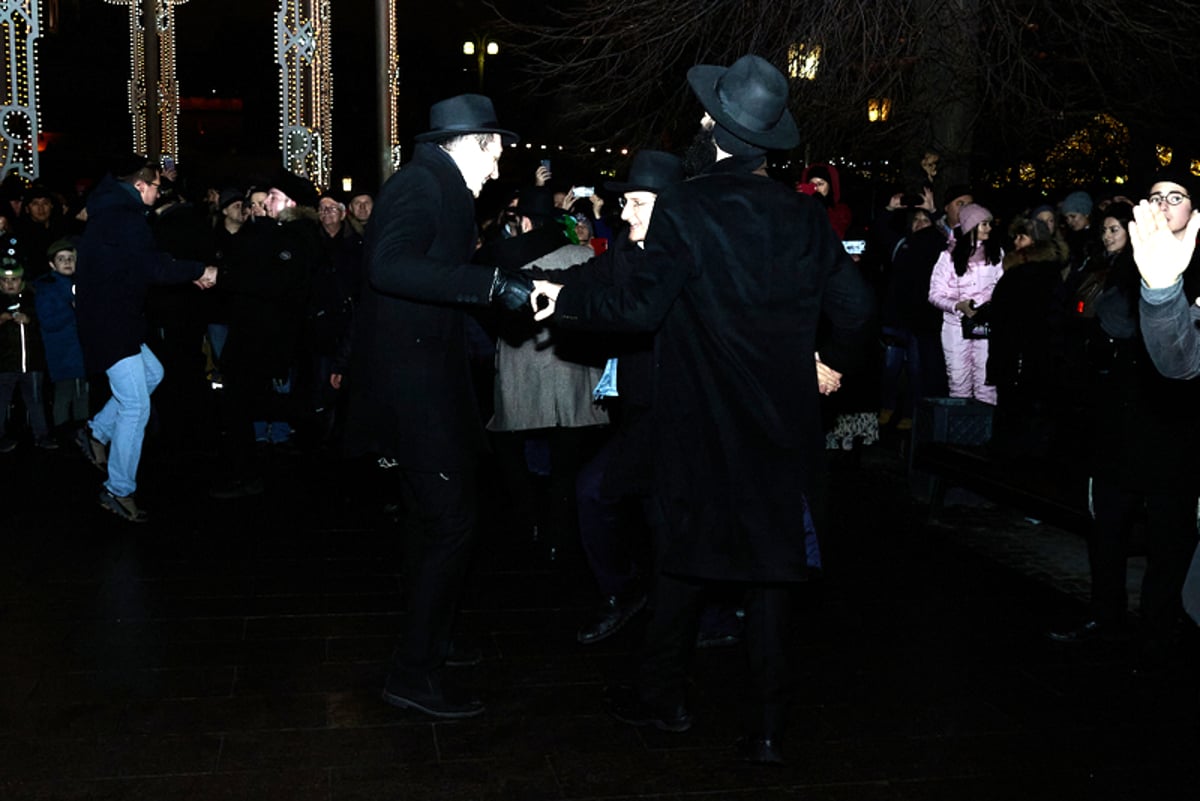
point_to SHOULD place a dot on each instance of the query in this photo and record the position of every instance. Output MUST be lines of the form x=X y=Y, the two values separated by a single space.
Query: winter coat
x=21 y=348
x=268 y=279
x=411 y=393
x=947 y=288
x=735 y=299
x=55 y=301
x=1027 y=319
x=1144 y=433
x=118 y=262
x=906 y=302
x=543 y=381
x=839 y=213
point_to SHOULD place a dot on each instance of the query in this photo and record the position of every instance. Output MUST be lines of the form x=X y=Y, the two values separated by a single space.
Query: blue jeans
x=121 y=424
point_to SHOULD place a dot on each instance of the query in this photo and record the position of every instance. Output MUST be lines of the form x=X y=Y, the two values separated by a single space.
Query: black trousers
x=439 y=530
x=1170 y=542
x=670 y=646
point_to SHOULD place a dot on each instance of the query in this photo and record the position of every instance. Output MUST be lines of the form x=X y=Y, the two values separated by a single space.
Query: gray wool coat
x=537 y=385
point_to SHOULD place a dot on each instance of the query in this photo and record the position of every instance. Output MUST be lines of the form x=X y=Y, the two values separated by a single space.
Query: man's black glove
x=510 y=289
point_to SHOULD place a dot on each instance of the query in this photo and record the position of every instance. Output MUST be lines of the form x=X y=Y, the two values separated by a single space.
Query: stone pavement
x=235 y=650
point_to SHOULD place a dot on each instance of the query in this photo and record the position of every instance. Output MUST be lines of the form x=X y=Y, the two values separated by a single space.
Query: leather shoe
x=610 y=617
x=431 y=697
x=1090 y=631
x=627 y=706
x=760 y=750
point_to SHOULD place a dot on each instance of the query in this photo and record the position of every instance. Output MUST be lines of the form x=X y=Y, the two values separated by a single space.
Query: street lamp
x=480 y=48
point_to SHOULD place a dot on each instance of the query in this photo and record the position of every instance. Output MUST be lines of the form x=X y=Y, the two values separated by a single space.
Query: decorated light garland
x=166 y=93
x=393 y=79
x=20 y=29
x=303 y=52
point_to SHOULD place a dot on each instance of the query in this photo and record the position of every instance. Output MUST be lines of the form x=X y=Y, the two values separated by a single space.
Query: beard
x=700 y=154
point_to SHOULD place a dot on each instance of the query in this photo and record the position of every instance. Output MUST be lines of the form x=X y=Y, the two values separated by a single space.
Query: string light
x=166 y=93
x=303 y=51
x=20 y=29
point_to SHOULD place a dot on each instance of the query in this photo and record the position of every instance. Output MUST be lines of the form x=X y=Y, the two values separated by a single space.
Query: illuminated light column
x=389 y=85
x=302 y=49
x=19 y=31
x=155 y=125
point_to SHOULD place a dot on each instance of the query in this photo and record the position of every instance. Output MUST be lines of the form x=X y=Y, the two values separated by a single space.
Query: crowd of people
x=658 y=384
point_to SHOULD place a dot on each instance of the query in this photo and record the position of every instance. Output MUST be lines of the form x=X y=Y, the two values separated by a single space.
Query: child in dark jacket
x=54 y=300
x=22 y=360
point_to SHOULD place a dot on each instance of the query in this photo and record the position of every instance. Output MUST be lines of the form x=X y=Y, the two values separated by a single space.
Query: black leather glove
x=510 y=289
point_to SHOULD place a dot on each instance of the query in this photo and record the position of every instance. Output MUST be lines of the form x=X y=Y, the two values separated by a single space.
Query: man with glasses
x=118 y=262
x=1163 y=235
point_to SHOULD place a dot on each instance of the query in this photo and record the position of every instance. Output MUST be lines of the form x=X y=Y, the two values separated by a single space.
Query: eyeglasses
x=1170 y=198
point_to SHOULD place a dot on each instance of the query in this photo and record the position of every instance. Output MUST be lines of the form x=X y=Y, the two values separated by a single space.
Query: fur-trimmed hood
x=1048 y=250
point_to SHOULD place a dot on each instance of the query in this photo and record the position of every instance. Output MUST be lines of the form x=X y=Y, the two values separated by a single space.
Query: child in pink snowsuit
x=963 y=280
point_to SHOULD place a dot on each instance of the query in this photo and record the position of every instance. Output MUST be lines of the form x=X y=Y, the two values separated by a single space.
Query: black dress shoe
x=611 y=616
x=432 y=697
x=760 y=750
x=1091 y=631
x=627 y=706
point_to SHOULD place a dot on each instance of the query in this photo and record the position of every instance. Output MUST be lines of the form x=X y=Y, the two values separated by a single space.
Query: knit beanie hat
x=971 y=215
x=1077 y=203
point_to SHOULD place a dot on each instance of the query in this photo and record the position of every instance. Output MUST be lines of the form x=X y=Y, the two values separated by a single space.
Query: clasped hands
x=209 y=279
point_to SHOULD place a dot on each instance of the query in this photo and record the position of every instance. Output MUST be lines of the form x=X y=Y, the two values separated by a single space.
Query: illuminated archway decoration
x=154 y=127
x=19 y=31
x=302 y=49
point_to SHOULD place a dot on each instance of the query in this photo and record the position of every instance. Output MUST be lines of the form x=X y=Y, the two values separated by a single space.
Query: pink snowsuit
x=966 y=359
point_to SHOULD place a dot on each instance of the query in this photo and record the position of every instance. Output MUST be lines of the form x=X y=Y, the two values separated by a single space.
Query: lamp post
x=481 y=48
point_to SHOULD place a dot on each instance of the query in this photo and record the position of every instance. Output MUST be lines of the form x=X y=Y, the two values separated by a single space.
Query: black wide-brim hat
x=461 y=115
x=650 y=171
x=749 y=99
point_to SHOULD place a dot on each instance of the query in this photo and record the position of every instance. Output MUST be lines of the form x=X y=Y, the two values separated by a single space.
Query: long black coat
x=411 y=396
x=268 y=280
x=738 y=271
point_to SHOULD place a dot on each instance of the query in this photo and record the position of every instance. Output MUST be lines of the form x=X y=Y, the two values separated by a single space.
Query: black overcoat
x=411 y=396
x=738 y=271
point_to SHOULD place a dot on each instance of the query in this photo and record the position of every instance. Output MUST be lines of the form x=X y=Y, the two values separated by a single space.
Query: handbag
x=978 y=327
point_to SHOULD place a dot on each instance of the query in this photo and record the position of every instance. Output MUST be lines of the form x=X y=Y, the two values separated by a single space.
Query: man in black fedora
x=411 y=396
x=738 y=270
x=613 y=488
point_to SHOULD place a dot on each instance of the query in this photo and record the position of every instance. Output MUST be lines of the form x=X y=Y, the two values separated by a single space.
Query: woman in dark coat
x=1025 y=357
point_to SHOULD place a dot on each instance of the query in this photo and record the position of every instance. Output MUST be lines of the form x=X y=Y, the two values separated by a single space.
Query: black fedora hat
x=461 y=115
x=749 y=99
x=650 y=171
x=537 y=201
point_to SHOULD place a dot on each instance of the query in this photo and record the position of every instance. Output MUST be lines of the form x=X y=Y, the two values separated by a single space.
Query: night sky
x=226 y=50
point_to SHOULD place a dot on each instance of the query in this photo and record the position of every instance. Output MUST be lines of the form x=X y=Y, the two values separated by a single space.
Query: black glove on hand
x=510 y=289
